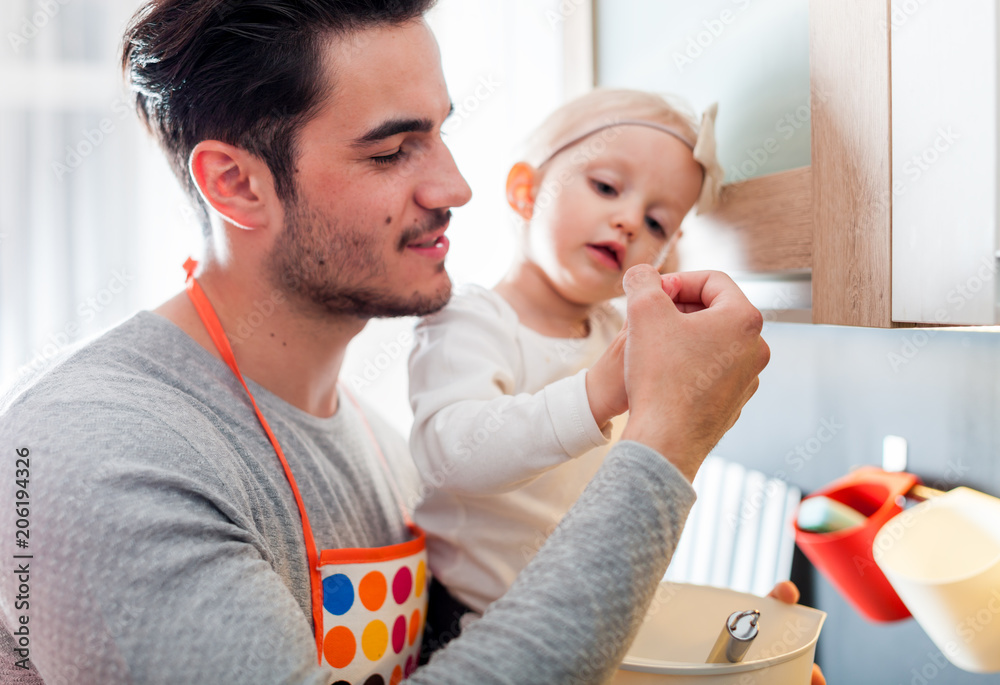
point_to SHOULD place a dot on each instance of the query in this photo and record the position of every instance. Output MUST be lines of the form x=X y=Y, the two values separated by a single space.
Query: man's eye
x=389 y=159
x=603 y=188
x=655 y=226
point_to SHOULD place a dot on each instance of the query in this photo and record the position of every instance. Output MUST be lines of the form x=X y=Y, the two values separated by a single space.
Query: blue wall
x=938 y=389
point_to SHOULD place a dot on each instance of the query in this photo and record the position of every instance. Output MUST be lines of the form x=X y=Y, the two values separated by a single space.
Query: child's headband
x=703 y=149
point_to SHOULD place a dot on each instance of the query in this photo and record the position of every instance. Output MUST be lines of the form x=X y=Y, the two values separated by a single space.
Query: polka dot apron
x=369 y=605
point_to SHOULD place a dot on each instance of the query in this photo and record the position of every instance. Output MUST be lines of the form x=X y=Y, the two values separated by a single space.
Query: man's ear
x=234 y=183
x=521 y=189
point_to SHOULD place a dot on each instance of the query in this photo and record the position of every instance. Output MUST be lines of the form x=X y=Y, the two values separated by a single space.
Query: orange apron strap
x=218 y=335
x=385 y=464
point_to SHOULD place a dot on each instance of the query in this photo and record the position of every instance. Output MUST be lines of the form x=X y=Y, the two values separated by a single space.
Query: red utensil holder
x=845 y=557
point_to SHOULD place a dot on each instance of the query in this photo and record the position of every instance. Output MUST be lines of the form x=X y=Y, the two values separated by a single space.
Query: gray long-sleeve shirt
x=166 y=545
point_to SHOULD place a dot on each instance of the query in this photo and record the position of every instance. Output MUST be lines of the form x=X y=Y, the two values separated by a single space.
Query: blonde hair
x=602 y=107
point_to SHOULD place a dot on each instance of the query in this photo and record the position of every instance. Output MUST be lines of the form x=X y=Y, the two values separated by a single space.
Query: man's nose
x=444 y=186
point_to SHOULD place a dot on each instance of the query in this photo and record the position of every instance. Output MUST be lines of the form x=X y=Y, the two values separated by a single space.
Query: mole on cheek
x=388 y=219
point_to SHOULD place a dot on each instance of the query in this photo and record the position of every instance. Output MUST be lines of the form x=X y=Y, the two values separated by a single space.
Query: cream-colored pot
x=684 y=622
x=943 y=559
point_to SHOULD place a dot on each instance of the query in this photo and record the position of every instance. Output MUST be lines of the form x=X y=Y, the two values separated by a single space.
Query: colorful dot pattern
x=373 y=615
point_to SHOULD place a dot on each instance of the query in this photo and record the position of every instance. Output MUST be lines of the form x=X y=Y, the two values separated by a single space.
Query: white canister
x=943 y=559
x=683 y=624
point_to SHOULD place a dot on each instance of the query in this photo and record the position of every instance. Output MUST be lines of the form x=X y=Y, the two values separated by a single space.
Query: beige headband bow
x=703 y=150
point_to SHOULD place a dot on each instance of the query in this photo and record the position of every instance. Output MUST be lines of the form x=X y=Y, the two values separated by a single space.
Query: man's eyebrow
x=393 y=127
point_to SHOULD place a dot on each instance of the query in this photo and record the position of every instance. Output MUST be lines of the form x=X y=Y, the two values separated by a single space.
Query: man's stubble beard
x=319 y=262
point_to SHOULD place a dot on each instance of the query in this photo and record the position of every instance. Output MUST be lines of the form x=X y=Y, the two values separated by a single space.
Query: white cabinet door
x=945 y=161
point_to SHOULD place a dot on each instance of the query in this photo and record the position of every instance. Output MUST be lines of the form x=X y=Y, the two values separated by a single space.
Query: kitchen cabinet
x=896 y=215
x=945 y=185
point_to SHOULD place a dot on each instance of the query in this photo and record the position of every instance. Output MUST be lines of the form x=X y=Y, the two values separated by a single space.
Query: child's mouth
x=608 y=254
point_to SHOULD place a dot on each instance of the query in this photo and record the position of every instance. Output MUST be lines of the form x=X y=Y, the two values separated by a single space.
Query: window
x=92 y=224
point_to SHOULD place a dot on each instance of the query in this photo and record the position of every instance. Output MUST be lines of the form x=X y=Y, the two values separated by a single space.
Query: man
x=166 y=544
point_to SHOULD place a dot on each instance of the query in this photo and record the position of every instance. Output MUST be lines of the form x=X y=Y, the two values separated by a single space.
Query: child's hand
x=606 y=382
x=671 y=284
x=606 y=378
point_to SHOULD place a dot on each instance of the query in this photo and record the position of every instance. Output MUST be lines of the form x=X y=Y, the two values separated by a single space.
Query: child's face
x=612 y=201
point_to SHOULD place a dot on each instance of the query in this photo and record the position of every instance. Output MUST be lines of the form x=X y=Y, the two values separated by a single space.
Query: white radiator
x=739 y=534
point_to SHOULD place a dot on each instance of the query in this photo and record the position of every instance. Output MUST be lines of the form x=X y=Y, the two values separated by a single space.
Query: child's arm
x=472 y=434
x=606 y=382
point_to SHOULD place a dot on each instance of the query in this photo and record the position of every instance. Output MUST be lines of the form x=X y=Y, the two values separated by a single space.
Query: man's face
x=365 y=232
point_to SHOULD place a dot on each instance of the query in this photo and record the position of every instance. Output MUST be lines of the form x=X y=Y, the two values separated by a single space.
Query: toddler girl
x=515 y=389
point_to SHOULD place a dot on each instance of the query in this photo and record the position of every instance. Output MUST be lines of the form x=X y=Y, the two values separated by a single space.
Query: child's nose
x=623 y=226
x=628 y=222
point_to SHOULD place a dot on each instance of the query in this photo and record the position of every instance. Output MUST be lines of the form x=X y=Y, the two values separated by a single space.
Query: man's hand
x=786 y=592
x=692 y=357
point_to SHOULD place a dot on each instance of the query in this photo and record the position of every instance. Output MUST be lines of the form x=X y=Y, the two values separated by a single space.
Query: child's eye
x=389 y=159
x=655 y=226
x=603 y=188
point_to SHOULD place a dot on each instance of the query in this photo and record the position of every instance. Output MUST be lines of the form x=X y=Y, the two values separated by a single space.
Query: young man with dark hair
x=178 y=513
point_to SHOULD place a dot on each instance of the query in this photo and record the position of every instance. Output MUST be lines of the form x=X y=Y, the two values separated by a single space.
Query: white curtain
x=90 y=220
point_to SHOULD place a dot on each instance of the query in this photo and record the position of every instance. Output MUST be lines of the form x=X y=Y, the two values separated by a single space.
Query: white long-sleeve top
x=503 y=437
